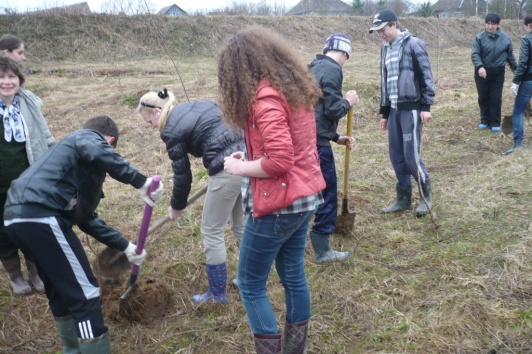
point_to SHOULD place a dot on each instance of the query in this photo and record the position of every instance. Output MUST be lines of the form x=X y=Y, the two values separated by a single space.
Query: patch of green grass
x=131 y=101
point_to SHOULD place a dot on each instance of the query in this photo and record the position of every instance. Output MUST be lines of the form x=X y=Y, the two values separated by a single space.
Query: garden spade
x=142 y=237
x=346 y=220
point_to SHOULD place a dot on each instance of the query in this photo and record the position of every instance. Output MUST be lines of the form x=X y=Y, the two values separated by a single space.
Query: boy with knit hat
x=327 y=69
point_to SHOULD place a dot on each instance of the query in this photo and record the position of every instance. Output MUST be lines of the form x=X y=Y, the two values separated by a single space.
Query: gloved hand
x=132 y=255
x=514 y=88
x=155 y=195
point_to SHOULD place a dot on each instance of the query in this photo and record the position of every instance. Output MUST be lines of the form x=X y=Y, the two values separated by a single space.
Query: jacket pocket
x=271 y=195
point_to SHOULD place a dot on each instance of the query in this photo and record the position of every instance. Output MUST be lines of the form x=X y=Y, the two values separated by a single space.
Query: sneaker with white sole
x=482 y=126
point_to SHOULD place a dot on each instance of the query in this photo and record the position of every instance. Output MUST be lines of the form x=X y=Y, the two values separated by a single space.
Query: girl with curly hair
x=269 y=92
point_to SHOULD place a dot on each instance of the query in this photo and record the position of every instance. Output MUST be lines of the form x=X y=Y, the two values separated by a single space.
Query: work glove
x=132 y=255
x=514 y=88
x=155 y=195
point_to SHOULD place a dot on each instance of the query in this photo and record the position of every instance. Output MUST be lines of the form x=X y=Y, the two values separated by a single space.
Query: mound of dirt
x=147 y=301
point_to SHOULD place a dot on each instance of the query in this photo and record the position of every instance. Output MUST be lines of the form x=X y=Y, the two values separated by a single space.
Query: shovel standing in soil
x=142 y=238
x=346 y=220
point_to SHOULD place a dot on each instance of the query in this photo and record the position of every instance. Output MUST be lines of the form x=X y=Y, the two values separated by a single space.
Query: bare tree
x=263 y=8
x=128 y=7
x=279 y=8
x=370 y=8
x=400 y=7
x=519 y=8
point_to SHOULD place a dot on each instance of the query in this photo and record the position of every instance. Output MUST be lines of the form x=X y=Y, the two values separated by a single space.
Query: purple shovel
x=142 y=237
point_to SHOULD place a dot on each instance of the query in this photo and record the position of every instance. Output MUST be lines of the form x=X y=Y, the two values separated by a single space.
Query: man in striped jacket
x=407 y=92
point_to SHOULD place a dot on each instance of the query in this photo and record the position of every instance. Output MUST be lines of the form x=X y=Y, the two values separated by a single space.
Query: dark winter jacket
x=524 y=68
x=197 y=128
x=492 y=50
x=331 y=106
x=415 y=85
x=67 y=181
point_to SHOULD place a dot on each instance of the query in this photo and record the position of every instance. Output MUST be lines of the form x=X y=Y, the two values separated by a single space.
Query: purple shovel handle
x=145 y=224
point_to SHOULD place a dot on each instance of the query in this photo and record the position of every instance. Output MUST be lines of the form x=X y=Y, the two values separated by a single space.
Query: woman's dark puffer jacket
x=197 y=128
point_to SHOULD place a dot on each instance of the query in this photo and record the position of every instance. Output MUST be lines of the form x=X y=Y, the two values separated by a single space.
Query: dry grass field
x=461 y=283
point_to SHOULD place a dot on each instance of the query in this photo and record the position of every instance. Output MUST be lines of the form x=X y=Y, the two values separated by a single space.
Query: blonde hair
x=164 y=100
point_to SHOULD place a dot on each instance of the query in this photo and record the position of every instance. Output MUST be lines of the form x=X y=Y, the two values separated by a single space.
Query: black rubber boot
x=67 y=332
x=403 y=202
x=423 y=209
x=517 y=146
x=98 y=345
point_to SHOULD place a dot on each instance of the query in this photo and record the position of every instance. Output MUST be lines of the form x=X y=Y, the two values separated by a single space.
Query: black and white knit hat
x=338 y=41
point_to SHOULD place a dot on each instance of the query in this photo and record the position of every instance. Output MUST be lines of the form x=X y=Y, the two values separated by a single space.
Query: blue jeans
x=327 y=213
x=280 y=237
x=524 y=94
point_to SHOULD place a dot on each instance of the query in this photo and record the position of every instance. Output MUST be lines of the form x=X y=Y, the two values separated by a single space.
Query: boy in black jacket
x=327 y=70
x=62 y=189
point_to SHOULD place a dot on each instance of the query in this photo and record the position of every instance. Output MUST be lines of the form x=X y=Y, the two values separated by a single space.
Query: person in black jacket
x=490 y=51
x=332 y=106
x=61 y=189
x=197 y=128
x=522 y=85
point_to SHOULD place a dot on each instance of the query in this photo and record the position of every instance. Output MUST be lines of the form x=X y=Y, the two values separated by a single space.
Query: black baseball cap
x=381 y=19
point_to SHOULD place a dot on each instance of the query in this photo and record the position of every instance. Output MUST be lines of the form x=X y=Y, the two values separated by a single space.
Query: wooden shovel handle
x=190 y=200
x=347 y=152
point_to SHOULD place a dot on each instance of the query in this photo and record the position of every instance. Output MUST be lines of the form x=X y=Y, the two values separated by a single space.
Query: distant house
x=81 y=8
x=321 y=7
x=458 y=8
x=172 y=10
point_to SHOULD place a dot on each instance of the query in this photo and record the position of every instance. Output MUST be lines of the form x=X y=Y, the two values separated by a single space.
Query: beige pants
x=223 y=205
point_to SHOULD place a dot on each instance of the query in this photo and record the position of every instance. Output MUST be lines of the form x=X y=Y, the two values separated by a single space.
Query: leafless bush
x=128 y=7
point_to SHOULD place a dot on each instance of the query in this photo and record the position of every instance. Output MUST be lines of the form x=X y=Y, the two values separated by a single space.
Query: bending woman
x=197 y=128
x=270 y=93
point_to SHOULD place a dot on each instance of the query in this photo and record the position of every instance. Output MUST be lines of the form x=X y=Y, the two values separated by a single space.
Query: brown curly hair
x=255 y=53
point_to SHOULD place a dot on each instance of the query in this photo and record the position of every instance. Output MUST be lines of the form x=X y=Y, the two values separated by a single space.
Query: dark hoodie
x=331 y=106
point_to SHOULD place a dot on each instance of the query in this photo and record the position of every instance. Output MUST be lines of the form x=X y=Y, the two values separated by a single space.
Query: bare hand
x=233 y=164
x=482 y=73
x=425 y=117
x=174 y=214
x=384 y=124
x=346 y=140
x=238 y=155
x=352 y=97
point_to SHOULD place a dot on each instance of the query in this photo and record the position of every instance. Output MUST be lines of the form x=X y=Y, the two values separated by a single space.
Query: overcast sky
x=96 y=5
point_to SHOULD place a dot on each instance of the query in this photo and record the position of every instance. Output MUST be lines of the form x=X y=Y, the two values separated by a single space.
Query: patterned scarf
x=13 y=126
